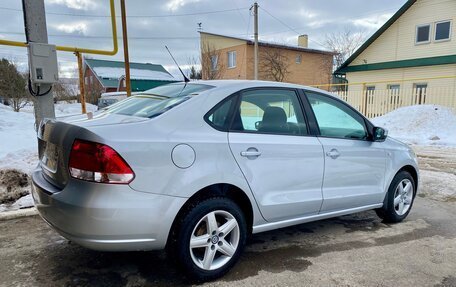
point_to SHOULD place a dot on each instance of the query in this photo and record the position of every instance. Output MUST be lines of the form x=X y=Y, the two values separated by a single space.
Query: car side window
x=269 y=111
x=219 y=116
x=336 y=119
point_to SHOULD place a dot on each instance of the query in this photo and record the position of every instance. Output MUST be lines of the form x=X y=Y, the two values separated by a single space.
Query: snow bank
x=421 y=125
x=18 y=143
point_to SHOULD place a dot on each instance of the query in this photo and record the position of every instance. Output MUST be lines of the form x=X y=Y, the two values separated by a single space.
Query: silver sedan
x=197 y=167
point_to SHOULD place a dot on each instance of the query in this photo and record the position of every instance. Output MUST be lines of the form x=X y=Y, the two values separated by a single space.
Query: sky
x=152 y=24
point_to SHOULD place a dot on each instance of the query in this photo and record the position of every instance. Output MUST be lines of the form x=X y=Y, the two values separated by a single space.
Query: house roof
x=377 y=34
x=273 y=45
x=109 y=72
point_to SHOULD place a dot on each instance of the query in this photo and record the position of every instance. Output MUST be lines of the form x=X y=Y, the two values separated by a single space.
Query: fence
x=378 y=98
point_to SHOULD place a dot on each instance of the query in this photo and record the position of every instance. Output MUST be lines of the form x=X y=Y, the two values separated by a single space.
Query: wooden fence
x=374 y=102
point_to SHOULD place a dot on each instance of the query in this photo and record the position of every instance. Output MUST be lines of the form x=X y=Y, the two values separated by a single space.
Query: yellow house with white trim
x=410 y=60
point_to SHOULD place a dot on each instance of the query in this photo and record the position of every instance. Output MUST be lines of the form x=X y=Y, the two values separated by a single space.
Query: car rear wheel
x=399 y=200
x=209 y=239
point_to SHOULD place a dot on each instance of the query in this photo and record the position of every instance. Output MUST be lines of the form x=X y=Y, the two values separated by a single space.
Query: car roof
x=244 y=84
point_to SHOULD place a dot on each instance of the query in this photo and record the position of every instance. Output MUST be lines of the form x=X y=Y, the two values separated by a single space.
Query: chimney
x=303 y=41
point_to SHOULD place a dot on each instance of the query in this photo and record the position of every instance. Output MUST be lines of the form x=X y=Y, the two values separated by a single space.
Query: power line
x=135 y=16
x=289 y=27
x=108 y=37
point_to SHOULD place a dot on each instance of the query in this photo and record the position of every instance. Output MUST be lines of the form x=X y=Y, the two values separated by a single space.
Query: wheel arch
x=408 y=168
x=225 y=190
x=412 y=171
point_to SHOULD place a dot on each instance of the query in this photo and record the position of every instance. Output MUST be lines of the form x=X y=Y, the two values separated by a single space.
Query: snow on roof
x=136 y=74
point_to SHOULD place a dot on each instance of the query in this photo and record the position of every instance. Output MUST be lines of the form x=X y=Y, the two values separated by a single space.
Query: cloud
x=75 y=4
x=75 y=27
x=174 y=5
x=372 y=22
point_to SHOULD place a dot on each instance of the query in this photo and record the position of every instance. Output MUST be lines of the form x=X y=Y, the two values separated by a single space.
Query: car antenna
x=186 y=80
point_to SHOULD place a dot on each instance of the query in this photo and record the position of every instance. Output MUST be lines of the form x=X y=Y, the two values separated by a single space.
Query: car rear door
x=283 y=165
x=354 y=166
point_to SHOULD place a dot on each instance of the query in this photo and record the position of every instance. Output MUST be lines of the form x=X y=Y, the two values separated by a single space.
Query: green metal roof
x=143 y=85
x=113 y=82
x=420 y=62
x=399 y=13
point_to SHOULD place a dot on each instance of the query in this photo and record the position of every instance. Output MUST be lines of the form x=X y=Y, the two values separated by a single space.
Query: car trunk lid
x=56 y=137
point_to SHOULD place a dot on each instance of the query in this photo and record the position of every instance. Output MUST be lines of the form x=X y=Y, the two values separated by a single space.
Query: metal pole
x=81 y=82
x=36 y=31
x=125 y=45
x=255 y=34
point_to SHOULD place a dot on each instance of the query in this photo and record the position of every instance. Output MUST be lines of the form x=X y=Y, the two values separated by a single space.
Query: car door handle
x=334 y=153
x=251 y=153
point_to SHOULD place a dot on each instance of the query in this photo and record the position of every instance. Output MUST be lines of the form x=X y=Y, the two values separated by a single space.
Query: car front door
x=354 y=166
x=283 y=165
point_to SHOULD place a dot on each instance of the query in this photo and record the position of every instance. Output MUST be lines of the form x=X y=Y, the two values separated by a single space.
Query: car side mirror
x=257 y=125
x=380 y=134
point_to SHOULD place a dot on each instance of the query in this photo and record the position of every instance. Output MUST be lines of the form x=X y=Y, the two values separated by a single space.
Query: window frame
x=236 y=104
x=300 y=106
x=298 y=59
x=234 y=57
x=449 y=32
x=313 y=123
x=430 y=34
x=214 y=68
x=229 y=116
x=392 y=87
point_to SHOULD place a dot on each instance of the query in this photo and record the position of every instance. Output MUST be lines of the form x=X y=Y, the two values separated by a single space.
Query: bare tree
x=194 y=72
x=93 y=93
x=344 y=44
x=212 y=66
x=65 y=90
x=13 y=85
x=273 y=64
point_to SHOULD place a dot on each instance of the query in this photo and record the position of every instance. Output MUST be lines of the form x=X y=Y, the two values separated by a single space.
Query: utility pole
x=36 y=31
x=125 y=46
x=81 y=82
x=255 y=34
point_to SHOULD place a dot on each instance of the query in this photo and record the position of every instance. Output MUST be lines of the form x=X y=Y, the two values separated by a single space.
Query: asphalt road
x=355 y=250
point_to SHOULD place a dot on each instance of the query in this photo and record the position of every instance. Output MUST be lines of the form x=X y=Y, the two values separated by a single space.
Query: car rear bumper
x=106 y=217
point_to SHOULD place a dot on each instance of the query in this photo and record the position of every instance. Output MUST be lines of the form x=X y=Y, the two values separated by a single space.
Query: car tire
x=208 y=239
x=399 y=199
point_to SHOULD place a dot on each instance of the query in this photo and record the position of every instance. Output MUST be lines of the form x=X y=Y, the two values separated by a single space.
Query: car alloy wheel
x=214 y=240
x=403 y=196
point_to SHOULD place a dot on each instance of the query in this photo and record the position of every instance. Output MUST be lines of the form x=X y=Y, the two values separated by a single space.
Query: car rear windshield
x=156 y=101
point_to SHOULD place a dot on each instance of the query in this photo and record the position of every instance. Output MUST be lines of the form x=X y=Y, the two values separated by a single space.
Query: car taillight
x=97 y=162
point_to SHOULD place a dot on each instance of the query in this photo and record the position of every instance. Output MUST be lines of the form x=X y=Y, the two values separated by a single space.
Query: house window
x=231 y=59
x=419 y=93
x=91 y=79
x=370 y=89
x=298 y=59
x=214 y=62
x=86 y=81
x=394 y=87
x=442 y=31
x=423 y=34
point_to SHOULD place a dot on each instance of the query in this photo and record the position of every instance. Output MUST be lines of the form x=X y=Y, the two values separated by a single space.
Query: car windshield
x=156 y=101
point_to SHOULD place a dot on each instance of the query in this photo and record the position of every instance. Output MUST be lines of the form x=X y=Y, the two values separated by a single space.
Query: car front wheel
x=210 y=239
x=399 y=200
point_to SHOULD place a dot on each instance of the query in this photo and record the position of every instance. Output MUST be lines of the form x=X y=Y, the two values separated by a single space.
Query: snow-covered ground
x=421 y=125
x=18 y=143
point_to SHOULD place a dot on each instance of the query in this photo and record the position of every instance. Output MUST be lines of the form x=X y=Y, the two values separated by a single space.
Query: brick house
x=102 y=76
x=232 y=58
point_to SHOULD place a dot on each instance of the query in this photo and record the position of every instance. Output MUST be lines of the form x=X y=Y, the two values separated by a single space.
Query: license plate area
x=50 y=157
